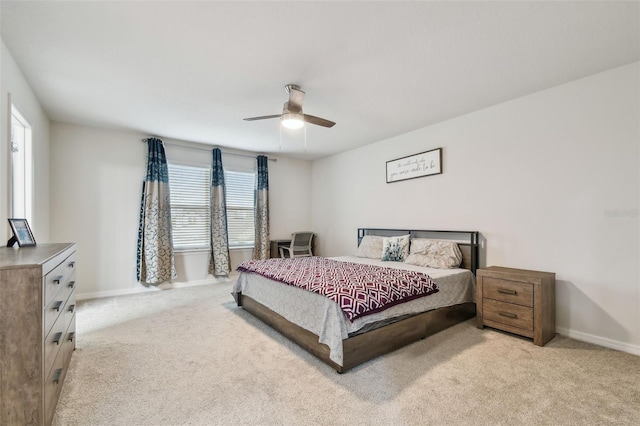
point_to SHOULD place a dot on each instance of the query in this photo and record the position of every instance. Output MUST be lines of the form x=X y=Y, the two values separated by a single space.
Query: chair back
x=301 y=244
x=301 y=240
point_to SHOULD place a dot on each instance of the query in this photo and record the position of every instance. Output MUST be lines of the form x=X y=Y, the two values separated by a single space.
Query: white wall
x=13 y=82
x=96 y=181
x=540 y=177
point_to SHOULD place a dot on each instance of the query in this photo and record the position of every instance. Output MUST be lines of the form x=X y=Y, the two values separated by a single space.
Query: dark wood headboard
x=467 y=241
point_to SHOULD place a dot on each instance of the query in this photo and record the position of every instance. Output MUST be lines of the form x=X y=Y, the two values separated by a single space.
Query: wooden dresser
x=518 y=301
x=37 y=330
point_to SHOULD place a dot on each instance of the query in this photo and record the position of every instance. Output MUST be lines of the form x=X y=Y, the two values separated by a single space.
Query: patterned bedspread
x=359 y=289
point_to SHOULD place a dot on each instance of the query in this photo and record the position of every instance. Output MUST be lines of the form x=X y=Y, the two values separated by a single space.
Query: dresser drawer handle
x=72 y=264
x=508 y=314
x=56 y=377
x=57 y=338
x=72 y=308
x=57 y=305
x=72 y=284
x=505 y=291
x=57 y=279
x=72 y=336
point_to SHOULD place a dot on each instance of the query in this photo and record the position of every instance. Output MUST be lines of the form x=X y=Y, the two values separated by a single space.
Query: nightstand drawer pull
x=57 y=338
x=72 y=264
x=507 y=314
x=72 y=336
x=72 y=284
x=72 y=308
x=506 y=291
x=57 y=305
x=56 y=377
x=57 y=279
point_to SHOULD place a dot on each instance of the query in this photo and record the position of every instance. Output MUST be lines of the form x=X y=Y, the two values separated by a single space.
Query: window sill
x=238 y=248
x=206 y=250
x=190 y=250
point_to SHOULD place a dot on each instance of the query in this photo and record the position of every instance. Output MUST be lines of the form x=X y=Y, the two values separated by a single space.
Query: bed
x=318 y=324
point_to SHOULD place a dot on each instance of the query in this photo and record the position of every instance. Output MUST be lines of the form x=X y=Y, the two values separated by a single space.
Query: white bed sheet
x=324 y=317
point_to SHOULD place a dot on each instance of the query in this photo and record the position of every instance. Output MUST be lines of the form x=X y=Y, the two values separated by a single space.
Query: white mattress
x=324 y=317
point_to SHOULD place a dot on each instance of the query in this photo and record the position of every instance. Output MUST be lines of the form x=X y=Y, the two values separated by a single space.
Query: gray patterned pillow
x=370 y=246
x=395 y=248
x=434 y=253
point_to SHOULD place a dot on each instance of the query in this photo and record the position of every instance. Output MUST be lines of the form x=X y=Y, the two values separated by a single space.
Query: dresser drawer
x=58 y=304
x=508 y=313
x=59 y=368
x=507 y=291
x=53 y=342
x=58 y=277
x=70 y=310
x=53 y=385
x=70 y=337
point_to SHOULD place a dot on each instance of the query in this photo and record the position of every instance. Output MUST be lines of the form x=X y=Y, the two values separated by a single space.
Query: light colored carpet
x=189 y=356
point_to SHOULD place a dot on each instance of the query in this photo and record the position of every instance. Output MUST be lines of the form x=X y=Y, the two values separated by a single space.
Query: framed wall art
x=414 y=166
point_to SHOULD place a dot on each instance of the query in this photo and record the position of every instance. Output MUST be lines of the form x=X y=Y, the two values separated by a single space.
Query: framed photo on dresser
x=21 y=233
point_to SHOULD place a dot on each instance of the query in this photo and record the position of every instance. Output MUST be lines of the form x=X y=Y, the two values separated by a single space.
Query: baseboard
x=170 y=285
x=111 y=293
x=600 y=341
x=160 y=287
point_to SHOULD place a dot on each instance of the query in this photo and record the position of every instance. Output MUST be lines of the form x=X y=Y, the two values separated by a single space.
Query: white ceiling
x=193 y=70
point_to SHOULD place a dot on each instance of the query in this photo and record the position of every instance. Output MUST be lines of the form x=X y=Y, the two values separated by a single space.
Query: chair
x=300 y=245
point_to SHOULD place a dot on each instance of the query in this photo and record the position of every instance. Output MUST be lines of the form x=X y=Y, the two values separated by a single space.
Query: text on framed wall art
x=414 y=166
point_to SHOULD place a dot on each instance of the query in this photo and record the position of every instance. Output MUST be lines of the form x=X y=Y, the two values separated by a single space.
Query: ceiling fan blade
x=264 y=117
x=318 y=121
x=296 y=98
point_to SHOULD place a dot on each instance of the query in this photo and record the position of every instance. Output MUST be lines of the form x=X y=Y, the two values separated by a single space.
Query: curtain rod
x=275 y=160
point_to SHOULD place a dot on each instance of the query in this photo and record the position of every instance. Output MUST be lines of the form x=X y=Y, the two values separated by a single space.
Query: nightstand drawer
x=508 y=291
x=508 y=313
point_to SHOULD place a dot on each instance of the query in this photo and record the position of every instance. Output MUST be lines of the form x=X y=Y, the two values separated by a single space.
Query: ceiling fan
x=292 y=116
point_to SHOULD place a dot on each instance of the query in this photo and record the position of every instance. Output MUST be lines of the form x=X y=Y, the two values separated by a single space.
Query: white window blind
x=190 y=207
x=240 y=187
x=190 y=217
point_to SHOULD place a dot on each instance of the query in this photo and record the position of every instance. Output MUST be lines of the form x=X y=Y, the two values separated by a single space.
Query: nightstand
x=518 y=301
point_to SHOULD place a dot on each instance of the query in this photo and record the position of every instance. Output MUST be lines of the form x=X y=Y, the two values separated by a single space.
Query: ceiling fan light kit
x=292 y=120
x=292 y=116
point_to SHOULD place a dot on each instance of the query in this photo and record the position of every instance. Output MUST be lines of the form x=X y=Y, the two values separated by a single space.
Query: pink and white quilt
x=359 y=289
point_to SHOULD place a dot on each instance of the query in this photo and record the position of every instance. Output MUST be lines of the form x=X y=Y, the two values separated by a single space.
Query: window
x=190 y=207
x=240 y=187
x=190 y=212
x=21 y=167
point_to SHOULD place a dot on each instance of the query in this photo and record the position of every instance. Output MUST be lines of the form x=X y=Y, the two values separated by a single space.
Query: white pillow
x=370 y=246
x=395 y=248
x=434 y=253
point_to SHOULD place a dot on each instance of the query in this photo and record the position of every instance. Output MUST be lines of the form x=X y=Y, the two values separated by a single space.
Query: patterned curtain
x=155 y=263
x=219 y=257
x=262 y=248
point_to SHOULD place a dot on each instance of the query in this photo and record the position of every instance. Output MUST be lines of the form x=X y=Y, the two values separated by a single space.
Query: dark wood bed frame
x=371 y=344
